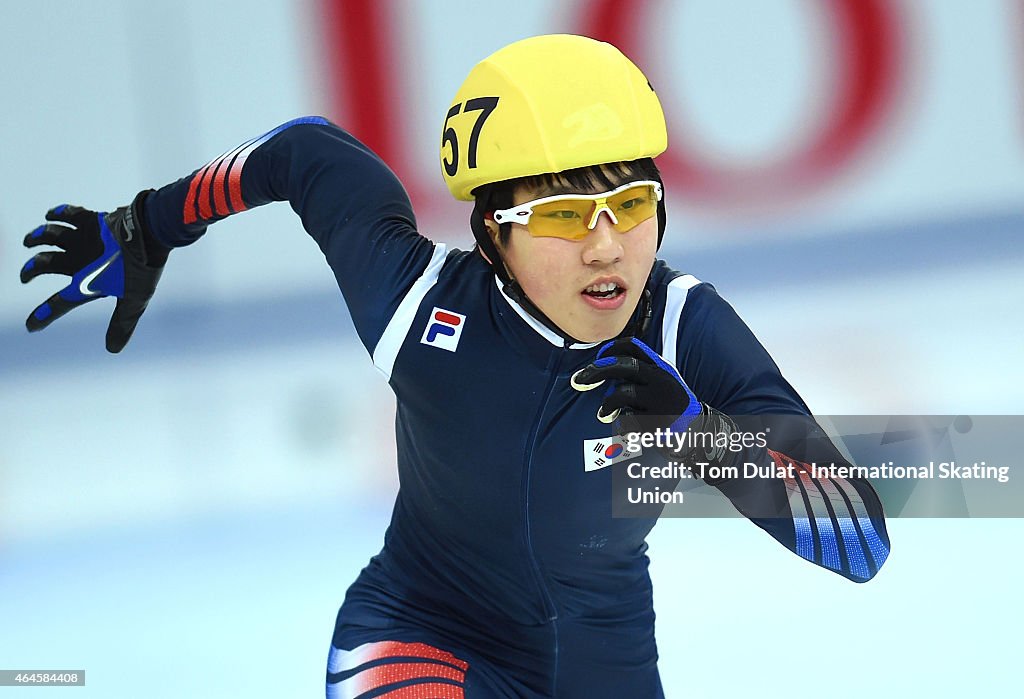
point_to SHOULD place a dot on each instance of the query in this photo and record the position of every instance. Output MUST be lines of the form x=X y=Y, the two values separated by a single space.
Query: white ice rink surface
x=243 y=604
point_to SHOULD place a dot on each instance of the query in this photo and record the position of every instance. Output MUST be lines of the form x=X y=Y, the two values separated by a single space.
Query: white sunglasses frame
x=521 y=214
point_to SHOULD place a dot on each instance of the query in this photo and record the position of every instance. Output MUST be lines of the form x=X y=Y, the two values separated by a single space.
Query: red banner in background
x=863 y=53
x=364 y=69
x=358 y=43
x=866 y=53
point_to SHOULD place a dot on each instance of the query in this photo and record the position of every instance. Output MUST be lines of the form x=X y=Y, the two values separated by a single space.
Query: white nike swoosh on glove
x=84 y=286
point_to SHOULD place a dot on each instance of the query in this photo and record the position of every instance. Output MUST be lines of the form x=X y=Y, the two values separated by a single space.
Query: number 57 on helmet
x=544 y=105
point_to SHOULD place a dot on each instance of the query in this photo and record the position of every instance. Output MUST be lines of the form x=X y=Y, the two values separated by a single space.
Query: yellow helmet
x=548 y=104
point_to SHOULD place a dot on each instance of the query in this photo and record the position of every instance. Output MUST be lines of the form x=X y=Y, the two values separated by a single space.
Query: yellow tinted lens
x=564 y=218
x=633 y=206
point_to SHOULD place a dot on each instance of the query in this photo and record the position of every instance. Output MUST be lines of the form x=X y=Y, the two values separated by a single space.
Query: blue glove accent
x=643 y=384
x=652 y=355
x=689 y=415
x=693 y=408
x=104 y=276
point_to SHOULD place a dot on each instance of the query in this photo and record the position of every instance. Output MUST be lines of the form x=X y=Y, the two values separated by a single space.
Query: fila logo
x=444 y=329
x=599 y=453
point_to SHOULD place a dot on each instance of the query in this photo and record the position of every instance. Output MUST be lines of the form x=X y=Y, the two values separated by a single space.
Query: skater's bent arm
x=834 y=522
x=349 y=201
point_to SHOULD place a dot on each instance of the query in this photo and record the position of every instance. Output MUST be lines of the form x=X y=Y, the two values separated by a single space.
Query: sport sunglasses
x=573 y=216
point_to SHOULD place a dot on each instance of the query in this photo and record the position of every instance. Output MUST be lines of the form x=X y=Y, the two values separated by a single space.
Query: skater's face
x=588 y=287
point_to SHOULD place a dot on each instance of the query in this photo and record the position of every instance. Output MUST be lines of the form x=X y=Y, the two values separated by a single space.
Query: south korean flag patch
x=602 y=452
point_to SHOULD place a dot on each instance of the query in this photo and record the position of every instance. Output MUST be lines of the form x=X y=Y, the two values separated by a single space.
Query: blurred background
x=183 y=519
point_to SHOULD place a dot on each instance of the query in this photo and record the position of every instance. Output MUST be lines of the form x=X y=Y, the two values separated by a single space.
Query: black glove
x=647 y=394
x=105 y=255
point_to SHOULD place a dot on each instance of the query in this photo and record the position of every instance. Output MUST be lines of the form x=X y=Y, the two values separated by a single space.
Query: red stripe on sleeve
x=389 y=649
x=782 y=461
x=189 y=212
x=419 y=650
x=219 y=199
x=381 y=675
x=427 y=690
x=203 y=195
x=235 y=184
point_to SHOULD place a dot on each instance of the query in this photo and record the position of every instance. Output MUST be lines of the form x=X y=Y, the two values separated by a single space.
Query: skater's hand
x=105 y=254
x=646 y=392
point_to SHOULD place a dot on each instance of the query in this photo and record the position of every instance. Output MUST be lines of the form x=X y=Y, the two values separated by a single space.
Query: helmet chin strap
x=638 y=322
